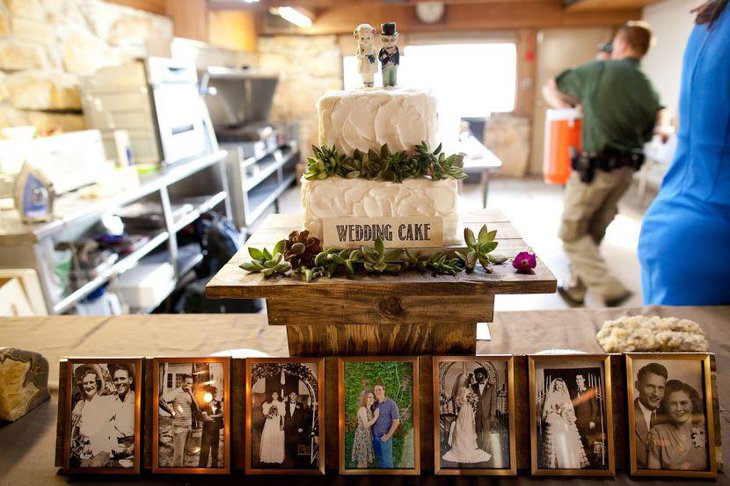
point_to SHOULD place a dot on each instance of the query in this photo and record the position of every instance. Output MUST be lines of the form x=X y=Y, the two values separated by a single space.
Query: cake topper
x=365 y=53
x=389 y=55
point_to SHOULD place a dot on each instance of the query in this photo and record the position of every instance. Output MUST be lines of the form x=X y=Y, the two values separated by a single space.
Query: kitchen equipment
x=33 y=195
x=157 y=102
x=69 y=160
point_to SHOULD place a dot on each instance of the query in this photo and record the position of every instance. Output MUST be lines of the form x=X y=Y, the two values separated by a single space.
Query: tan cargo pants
x=589 y=209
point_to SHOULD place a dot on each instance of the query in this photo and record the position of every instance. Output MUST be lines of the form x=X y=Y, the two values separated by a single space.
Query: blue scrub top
x=685 y=238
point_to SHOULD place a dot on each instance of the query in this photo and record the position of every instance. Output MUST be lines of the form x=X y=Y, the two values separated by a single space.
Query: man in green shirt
x=620 y=110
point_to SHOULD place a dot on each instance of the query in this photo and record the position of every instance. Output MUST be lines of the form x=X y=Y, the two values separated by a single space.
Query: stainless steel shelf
x=121 y=266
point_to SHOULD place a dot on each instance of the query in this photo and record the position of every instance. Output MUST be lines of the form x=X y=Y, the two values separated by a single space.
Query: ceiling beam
x=602 y=5
x=522 y=14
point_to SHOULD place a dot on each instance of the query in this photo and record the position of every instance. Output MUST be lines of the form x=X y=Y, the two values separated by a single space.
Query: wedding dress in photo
x=272 y=437
x=561 y=444
x=463 y=439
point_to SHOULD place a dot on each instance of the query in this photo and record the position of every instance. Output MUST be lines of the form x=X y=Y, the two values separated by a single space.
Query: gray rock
x=23 y=382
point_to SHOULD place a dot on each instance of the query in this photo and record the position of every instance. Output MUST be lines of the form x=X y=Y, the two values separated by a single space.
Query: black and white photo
x=670 y=415
x=474 y=415
x=103 y=426
x=571 y=414
x=191 y=415
x=284 y=409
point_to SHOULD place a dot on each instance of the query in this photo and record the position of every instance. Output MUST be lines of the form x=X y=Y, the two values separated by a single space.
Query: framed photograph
x=571 y=415
x=191 y=416
x=103 y=426
x=284 y=416
x=379 y=416
x=671 y=428
x=474 y=415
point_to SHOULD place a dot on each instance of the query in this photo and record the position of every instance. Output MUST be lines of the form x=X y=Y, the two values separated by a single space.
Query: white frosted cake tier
x=337 y=197
x=369 y=118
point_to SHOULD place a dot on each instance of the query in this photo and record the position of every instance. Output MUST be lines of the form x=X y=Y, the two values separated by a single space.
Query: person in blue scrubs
x=686 y=231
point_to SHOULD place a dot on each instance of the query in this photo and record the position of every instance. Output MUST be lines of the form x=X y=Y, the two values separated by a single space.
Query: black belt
x=587 y=163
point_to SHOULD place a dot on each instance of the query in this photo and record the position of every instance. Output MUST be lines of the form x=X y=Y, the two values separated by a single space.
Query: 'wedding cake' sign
x=410 y=232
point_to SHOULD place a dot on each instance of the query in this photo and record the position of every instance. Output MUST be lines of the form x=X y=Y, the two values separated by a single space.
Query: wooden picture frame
x=256 y=372
x=110 y=408
x=444 y=408
x=353 y=383
x=203 y=396
x=699 y=381
x=558 y=402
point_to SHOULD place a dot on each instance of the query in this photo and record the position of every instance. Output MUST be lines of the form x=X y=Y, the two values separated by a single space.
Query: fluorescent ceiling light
x=297 y=16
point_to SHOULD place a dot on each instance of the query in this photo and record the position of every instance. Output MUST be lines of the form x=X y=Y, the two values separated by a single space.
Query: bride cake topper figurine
x=390 y=54
x=365 y=53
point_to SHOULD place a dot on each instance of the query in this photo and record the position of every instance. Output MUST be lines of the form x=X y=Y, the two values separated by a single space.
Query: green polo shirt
x=619 y=102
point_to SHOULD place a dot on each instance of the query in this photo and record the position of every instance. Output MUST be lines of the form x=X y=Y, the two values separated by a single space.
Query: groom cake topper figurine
x=367 y=64
x=389 y=55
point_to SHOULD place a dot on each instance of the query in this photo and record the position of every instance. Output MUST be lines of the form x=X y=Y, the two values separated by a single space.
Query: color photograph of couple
x=379 y=416
x=284 y=415
x=572 y=415
x=103 y=433
x=475 y=415
x=191 y=415
x=671 y=417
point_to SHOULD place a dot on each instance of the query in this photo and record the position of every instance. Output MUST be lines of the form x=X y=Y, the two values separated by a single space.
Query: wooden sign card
x=410 y=232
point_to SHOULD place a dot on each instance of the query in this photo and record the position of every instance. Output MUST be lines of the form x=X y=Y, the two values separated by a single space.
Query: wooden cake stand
x=408 y=314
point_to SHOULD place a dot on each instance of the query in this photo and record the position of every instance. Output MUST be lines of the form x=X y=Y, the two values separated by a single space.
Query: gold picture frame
x=438 y=431
x=95 y=366
x=198 y=394
x=634 y=363
x=552 y=394
x=318 y=413
x=360 y=391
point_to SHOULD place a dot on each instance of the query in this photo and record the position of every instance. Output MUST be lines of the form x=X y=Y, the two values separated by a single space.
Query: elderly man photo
x=650 y=383
x=384 y=427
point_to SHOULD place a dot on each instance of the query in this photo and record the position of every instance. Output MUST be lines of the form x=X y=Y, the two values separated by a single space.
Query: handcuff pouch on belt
x=586 y=163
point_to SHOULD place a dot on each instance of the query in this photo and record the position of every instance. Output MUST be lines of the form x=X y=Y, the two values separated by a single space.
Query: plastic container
x=562 y=131
x=145 y=285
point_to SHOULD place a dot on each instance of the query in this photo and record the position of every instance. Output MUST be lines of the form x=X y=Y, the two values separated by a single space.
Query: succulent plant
x=479 y=249
x=438 y=165
x=377 y=260
x=269 y=263
x=326 y=162
x=351 y=167
x=301 y=249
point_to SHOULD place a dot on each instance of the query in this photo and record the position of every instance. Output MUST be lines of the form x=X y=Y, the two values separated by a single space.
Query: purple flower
x=524 y=262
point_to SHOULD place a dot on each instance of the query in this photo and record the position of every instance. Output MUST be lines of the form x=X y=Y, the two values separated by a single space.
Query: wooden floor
x=534 y=208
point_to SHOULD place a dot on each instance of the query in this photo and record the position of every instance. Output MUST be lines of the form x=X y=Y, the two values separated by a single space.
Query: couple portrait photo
x=283 y=415
x=103 y=432
x=474 y=415
x=191 y=426
x=572 y=415
x=672 y=424
x=378 y=398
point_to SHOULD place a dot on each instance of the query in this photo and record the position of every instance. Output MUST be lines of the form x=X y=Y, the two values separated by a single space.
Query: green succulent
x=437 y=165
x=377 y=260
x=439 y=263
x=326 y=162
x=478 y=249
x=352 y=167
x=269 y=263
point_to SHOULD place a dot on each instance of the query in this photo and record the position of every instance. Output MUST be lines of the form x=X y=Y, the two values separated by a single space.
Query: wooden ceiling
x=594 y=5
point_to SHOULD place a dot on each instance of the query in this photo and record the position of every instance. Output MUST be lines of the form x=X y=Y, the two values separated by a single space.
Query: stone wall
x=47 y=45
x=307 y=67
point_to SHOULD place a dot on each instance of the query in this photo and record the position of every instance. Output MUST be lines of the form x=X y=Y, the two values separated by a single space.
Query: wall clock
x=430 y=12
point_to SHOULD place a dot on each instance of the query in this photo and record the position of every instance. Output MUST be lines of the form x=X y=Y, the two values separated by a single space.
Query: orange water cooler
x=562 y=131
